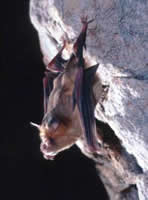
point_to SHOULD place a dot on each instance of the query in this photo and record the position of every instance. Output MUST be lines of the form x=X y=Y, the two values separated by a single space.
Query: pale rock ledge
x=118 y=40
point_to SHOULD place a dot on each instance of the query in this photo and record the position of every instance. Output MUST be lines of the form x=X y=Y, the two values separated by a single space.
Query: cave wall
x=118 y=40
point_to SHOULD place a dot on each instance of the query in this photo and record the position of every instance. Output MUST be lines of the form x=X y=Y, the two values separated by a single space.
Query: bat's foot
x=84 y=20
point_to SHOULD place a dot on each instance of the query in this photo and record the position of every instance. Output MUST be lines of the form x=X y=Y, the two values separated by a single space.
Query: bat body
x=68 y=101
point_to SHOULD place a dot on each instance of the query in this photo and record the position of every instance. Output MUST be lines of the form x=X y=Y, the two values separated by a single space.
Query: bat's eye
x=52 y=141
x=54 y=123
x=51 y=121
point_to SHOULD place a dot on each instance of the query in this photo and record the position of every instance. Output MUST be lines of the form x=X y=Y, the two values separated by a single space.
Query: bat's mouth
x=49 y=157
x=47 y=153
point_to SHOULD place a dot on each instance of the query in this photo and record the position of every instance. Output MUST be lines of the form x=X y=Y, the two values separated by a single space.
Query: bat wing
x=86 y=107
x=57 y=63
x=48 y=86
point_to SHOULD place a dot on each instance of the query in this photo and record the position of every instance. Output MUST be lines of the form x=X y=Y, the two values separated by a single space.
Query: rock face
x=118 y=40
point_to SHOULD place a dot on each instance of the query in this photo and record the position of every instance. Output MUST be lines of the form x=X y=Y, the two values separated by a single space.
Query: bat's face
x=57 y=136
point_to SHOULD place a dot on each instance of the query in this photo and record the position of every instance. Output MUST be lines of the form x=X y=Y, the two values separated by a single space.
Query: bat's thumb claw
x=85 y=20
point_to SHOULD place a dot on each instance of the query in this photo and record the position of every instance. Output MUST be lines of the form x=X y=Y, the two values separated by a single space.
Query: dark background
x=24 y=172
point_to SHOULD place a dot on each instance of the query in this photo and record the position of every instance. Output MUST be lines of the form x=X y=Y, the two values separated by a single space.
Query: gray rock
x=118 y=40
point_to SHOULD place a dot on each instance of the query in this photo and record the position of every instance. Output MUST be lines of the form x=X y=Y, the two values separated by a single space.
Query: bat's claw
x=84 y=20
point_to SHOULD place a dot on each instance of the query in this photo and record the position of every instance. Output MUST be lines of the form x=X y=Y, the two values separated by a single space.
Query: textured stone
x=118 y=40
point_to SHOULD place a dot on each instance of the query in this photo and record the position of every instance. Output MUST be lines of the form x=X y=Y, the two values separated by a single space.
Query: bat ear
x=36 y=125
x=56 y=64
x=90 y=72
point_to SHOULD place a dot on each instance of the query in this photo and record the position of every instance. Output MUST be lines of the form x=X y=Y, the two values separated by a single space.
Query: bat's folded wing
x=83 y=95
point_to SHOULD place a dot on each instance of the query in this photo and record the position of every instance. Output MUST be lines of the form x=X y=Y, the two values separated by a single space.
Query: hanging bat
x=68 y=102
x=60 y=127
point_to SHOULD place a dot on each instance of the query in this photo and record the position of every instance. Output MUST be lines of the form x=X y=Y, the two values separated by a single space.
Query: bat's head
x=56 y=135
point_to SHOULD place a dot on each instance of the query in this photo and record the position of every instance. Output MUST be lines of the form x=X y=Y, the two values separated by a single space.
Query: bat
x=68 y=101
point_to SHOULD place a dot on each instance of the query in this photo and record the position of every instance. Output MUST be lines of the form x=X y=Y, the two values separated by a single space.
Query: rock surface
x=118 y=40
